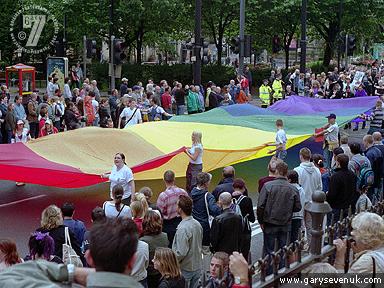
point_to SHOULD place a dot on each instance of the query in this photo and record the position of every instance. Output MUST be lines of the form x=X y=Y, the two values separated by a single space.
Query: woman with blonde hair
x=138 y=215
x=368 y=245
x=195 y=166
x=166 y=263
x=141 y=197
x=52 y=223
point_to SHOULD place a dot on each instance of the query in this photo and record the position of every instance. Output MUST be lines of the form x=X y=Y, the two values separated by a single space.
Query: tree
x=361 y=18
x=218 y=15
x=275 y=17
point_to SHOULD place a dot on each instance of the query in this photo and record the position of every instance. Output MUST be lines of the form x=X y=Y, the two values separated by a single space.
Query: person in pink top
x=167 y=204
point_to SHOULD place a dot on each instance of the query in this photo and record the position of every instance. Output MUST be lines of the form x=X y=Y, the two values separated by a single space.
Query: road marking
x=22 y=200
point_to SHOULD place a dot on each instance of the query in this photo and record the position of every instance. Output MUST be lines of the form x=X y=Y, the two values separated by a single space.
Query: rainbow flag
x=231 y=135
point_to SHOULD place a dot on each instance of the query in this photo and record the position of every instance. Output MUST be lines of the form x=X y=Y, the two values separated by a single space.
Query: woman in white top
x=121 y=174
x=115 y=208
x=195 y=165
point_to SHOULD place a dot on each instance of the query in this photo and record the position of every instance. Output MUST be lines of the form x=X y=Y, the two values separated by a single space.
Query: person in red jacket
x=166 y=100
x=48 y=129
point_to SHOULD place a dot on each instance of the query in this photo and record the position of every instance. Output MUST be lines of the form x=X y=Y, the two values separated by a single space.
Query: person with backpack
x=58 y=112
x=376 y=158
x=156 y=112
x=245 y=205
x=361 y=167
x=342 y=192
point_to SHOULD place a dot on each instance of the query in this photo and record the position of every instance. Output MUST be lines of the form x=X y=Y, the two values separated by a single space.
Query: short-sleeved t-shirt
x=111 y=211
x=332 y=133
x=122 y=177
x=95 y=105
x=281 y=138
x=199 y=159
x=127 y=113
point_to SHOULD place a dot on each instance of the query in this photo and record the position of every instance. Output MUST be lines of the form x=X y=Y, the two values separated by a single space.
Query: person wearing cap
x=21 y=134
x=331 y=138
x=123 y=87
x=48 y=129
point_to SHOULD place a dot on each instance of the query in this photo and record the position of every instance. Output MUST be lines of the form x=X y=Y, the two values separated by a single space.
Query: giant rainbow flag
x=231 y=134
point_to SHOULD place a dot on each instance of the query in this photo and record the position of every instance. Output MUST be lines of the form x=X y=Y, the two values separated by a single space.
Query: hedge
x=178 y=72
x=183 y=73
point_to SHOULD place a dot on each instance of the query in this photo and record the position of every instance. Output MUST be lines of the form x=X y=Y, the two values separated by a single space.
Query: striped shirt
x=167 y=202
x=376 y=118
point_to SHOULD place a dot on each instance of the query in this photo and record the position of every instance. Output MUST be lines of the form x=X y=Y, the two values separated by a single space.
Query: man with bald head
x=225 y=185
x=226 y=228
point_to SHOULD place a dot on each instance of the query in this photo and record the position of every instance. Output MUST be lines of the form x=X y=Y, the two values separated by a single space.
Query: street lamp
x=303 y=41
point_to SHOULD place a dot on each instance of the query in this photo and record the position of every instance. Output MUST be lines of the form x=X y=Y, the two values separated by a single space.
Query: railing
x=320 y=249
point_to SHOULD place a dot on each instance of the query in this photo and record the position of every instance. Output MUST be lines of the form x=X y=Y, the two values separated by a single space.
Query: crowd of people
x=63 y=108
x=356 y=81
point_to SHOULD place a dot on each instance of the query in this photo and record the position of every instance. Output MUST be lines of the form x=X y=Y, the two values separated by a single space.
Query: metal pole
x=303 y=41
x=346 y=51
x=197 y=44
x=65 y=35
x=85 y=56
x=339 y=38
x=111 y=56
x=112 y=64
x=242 y=24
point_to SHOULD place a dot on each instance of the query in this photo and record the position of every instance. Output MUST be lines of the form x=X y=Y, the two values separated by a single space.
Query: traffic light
x=59 y=48
x=247 y=45
x=275 y=44
x=118 y=51
x=235 y=45
x=91 y=48
x=205 y=58
x=351 y=45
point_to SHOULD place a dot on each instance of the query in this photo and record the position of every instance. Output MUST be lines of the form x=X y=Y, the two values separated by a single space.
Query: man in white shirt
x=95 y=105
x=331 y=138
x=67 y=90
x=132 y=114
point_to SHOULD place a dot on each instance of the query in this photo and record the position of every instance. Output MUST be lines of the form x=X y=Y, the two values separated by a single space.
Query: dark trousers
x=57 y=124
x=295 y=229
x=34 y=129
x=191 y=175
x=245 y=244
x=335 y=214
x=9 y=136
x=169 y=227
x=271 y=234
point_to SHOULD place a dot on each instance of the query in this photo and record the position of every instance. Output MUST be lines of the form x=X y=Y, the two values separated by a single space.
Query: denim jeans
x=327 y=157
x=96 y=122
x=180 y=110
x=270 y=234
x=281 y=154
x=191 y=278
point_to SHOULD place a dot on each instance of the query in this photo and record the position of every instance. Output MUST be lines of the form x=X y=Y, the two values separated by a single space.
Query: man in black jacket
x=225 y=185
x=226 y=228
x=277 y=201
x=342 y=189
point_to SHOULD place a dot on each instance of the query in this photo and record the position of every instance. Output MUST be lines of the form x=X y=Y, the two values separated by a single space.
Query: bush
x=183 y=73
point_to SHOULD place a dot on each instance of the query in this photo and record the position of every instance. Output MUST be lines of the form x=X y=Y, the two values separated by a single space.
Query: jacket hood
x=308 y=166
x=197 y=193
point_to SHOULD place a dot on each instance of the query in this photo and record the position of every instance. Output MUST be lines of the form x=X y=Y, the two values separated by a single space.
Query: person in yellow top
x=277 y=87
x=265 y=94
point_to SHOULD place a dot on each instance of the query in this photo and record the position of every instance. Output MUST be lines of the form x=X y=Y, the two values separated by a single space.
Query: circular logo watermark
x=34 y=29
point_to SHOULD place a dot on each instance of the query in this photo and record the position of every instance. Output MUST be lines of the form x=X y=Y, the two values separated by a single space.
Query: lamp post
x=303 y=41
x=241 y=34
x=197 y=44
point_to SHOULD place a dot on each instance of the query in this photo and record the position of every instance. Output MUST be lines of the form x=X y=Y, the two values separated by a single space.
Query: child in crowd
x=281 y=141
x=363 y=203
x=297 y=217
x=138 y=215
